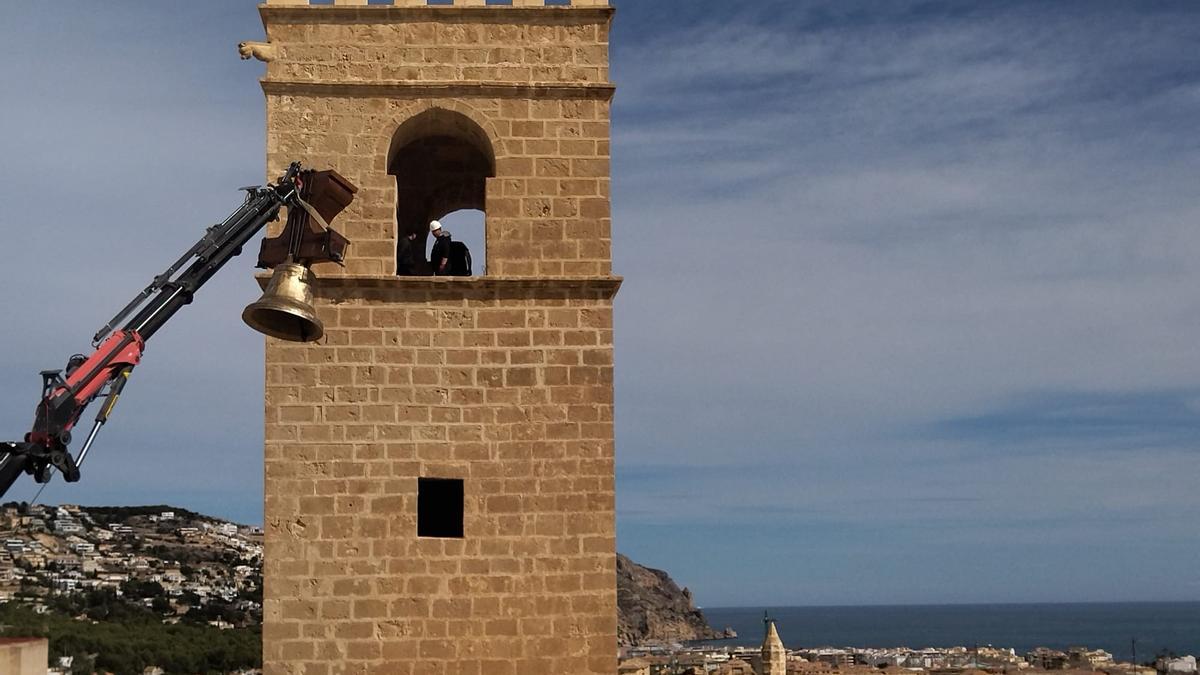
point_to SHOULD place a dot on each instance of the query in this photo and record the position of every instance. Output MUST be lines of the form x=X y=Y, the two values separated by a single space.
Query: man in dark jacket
x=439 y=257
x=406 y=255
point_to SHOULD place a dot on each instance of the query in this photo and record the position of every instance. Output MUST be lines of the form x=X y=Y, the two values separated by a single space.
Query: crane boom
x=117 y=351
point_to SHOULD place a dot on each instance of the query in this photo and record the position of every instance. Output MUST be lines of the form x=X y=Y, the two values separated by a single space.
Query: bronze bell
x=285 y=310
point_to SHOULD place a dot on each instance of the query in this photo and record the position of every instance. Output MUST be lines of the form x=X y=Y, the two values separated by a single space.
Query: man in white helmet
x=439 y=257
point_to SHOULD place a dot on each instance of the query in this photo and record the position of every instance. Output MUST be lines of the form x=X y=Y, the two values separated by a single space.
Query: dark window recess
x=439 y=507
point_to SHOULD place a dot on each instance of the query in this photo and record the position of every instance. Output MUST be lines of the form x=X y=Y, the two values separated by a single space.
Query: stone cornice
x=605 y=287
x=408 y=89
x=374 y=13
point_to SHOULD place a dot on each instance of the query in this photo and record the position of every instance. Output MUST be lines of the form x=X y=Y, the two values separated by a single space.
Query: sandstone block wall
x=534 y=80
x=503 y=381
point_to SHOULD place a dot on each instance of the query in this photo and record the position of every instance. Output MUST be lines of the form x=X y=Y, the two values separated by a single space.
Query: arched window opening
x=441 y=160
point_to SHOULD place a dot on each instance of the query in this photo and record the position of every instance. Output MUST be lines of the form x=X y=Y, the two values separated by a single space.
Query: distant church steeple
x=774 y=656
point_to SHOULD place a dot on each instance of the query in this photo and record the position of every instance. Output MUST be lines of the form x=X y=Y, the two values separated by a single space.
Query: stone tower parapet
x=439 y=467
x=460 y=3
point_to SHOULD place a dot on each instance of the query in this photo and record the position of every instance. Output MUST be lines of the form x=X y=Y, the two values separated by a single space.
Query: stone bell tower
x=439 y=467
x=774 y=656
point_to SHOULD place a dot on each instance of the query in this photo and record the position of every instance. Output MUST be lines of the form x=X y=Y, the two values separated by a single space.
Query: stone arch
x=441 y=159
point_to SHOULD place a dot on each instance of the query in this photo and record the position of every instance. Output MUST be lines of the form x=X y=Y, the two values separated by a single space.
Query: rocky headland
x=653 y=608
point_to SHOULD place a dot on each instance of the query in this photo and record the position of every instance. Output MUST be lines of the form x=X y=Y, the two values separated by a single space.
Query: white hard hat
x=434 y=226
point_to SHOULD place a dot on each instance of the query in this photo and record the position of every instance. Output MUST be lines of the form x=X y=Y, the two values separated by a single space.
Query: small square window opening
x=440 y=507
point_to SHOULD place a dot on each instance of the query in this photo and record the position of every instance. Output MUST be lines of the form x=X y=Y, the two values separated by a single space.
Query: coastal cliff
x=652 y=608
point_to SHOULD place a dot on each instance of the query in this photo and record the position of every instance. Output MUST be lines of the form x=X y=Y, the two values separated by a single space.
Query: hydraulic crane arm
x=117 y=351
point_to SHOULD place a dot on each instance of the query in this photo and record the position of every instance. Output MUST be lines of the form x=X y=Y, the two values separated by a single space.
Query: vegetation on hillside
x=104 y=634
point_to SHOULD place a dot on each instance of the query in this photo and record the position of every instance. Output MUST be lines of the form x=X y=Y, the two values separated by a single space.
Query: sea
x=1120 y=628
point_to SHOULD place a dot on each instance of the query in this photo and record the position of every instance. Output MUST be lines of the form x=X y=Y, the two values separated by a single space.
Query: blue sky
x=911 y=297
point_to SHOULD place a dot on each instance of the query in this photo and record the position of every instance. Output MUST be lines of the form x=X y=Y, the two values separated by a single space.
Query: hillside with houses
x=182 y=566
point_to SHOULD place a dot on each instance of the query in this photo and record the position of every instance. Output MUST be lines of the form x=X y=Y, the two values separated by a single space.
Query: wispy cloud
x=843 y=223
x=1091 y=421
